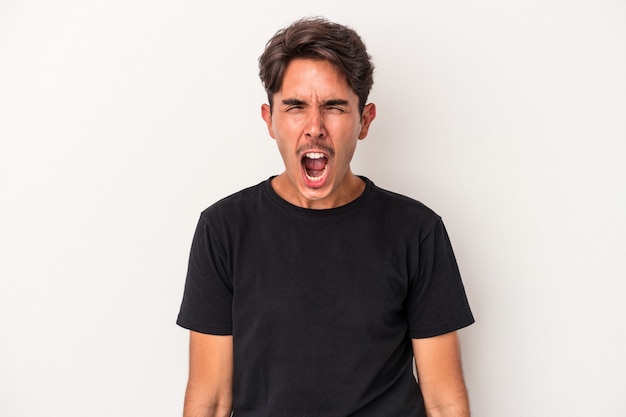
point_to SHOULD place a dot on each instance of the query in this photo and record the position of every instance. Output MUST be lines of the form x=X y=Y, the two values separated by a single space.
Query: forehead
x=304 y=77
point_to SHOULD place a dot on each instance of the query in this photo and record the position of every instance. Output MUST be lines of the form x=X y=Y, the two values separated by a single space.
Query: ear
x=369 y=114
x=266 y=114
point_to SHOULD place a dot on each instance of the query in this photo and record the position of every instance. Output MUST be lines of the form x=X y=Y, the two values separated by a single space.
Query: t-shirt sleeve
x=437 y=302
x=207 y=299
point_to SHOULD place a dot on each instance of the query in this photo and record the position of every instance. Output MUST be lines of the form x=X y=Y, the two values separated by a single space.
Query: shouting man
x=312 y=293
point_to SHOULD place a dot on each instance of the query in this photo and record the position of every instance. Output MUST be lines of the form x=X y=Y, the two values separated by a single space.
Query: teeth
x=316 y=179
x=314 y=155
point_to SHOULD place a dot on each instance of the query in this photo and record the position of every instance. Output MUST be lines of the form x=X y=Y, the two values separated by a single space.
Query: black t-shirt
x=322 y=304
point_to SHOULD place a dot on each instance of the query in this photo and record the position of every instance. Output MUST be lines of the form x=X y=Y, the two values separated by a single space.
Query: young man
x=311 y=293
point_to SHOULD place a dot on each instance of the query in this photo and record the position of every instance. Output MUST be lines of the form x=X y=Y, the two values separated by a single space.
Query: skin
x=440 y=374
x=317 y=111
x=210 y=386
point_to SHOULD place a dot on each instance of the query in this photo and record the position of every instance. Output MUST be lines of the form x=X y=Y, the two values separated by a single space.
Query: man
x=310 y=293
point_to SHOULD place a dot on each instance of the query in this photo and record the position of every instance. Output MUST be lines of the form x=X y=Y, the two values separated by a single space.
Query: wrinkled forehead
x=309 y=79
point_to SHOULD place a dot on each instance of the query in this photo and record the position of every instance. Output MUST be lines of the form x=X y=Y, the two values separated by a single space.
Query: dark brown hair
x=317 y=38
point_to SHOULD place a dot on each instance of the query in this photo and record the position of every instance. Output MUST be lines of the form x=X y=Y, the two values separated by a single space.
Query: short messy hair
x=318 y=39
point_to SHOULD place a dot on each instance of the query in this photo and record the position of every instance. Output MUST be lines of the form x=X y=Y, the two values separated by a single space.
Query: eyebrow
x=335 y=102
x=332 y=102
x=293 y=102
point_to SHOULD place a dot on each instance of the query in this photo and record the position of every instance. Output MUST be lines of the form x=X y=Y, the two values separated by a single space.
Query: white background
x=121 y=120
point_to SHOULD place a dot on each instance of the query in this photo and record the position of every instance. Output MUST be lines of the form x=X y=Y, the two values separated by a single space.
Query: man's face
x=316 y=123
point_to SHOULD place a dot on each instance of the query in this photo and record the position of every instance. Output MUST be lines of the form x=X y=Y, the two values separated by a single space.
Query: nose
x=315 y=125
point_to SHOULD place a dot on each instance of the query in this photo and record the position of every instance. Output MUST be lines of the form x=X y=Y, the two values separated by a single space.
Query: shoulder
x=234 y=212
x=246 y=199
x=403 y=208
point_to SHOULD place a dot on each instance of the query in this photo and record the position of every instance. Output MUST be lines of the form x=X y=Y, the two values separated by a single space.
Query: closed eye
x=293 y=104
x=337 y=105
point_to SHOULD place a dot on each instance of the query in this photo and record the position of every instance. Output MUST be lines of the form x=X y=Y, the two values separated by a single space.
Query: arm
x=210 y=385
x=440 y=374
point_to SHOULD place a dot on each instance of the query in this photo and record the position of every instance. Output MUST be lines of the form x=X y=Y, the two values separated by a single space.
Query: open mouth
x=314 y=164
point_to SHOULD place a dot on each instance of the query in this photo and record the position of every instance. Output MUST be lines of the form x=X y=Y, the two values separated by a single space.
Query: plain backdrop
x=121 y=120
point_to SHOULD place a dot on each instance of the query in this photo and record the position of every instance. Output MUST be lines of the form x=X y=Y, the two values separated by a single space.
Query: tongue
x=315 y=167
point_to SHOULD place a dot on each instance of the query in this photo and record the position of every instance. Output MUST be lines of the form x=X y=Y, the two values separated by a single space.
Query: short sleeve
x=437 y=302
x=207 y=299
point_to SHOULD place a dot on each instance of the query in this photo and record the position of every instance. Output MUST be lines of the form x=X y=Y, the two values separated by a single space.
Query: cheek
x=288 y=131
x=350 y=151
x=345 y=126
x=287 y=151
